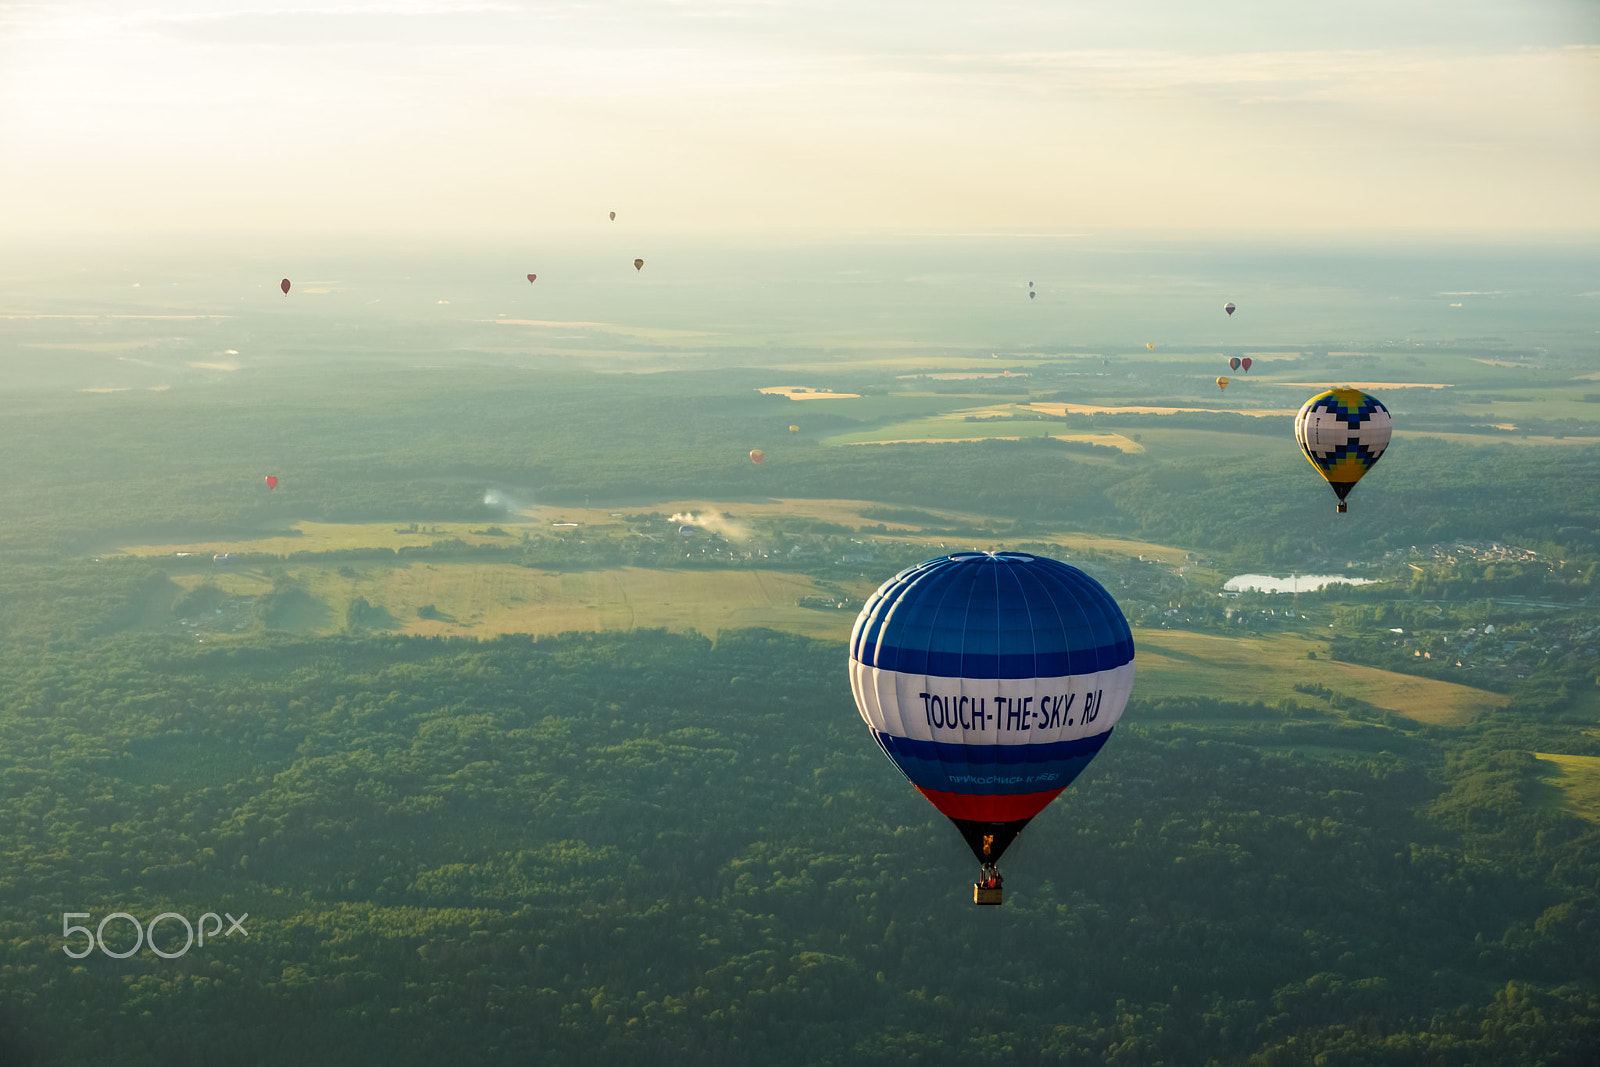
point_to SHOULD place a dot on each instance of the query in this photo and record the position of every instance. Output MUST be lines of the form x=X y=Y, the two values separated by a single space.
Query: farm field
x=1575 y=781
x=1174 y=663
x=487 y=599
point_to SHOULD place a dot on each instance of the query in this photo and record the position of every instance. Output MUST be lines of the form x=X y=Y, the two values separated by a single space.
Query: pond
x=1299 y=583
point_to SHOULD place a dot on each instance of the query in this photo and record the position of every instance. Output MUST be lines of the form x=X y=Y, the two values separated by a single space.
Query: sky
x=493 y=117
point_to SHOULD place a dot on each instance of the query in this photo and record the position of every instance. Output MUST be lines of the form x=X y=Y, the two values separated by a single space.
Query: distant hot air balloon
x=272 y=481
x=686 y=531
x=638 y=264
x=1222 y=383
x=533 y=277
x=1032 y=293
x=1343 y=432
x=1245 y=363
x=794 y=429
x=613 y=216
x=1233 y=364
x=990 y=680
x=1151 y=345
x=756 y=455
x=1008 y=374
x=1228 y=307
x=1030 y=285
x=284 y=285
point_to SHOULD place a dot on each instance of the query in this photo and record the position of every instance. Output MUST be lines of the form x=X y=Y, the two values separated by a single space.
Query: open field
x=1110 y=440
x=806 y=392
x=1576 y=782
x=1175 y=663
x=1140 y=409
x=611 y=521
x=1499 y=438
x=486 y=599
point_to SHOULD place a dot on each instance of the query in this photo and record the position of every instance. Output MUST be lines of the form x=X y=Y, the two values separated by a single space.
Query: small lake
x=1299 y=583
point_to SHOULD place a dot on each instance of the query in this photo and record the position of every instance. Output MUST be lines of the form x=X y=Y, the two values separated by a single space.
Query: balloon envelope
x=272 y=481
x=1228 y=307
x=1032 y=293
x=533 y=277
x=756 y=455
x=638 y=264
x=1245 y=363
x=284 y=285
x=1233 y=364
x=1151 y=345
x=1222 y=383
x=990 y=680
x=1343 y=432
x=794 y=429
x=613 y=216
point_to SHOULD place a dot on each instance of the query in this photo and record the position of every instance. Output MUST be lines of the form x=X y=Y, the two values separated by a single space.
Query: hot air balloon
x=686 y=531
x=613 y=216
x=1030 y=285
x=1151 y=345
x=794 y=429
x=272 y=481
x=1245 y=363
x=1228 y=307
x=1032 y=293
x=1222 y=383
x=991 y=679
x=756 y=455
x=1343 y=432
x=284 y=285
x=533 y=278
x=638 y=264
x=1233 y=364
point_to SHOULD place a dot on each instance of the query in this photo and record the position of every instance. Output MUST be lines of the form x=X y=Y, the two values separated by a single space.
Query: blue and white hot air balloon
x=991 y=679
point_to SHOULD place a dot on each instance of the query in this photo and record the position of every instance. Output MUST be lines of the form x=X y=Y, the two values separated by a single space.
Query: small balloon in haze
x=272 y=481
x=638 y=264
x=533 y=278
x=686 y=531
x=1222 y=383
x=1228 y=307
x=1151 y=345
x=1032 y=294
x=756 y=455
x=1030 y=285
x=1233 y=364
x=1245 y=363
x=613 y=216
x=284 y=285
x=794 y=429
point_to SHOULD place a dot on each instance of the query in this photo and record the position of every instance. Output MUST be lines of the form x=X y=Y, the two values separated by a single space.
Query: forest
x=656 y=847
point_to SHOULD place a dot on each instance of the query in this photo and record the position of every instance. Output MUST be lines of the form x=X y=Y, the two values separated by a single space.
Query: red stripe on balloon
x=989 y=808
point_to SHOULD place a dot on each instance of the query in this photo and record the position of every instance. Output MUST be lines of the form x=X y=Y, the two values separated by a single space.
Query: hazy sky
x=522 y=116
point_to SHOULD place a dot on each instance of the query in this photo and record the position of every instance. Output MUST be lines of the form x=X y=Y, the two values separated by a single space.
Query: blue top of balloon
x=992 y=615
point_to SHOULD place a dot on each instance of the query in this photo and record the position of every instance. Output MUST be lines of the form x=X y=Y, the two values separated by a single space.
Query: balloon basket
x=985 y=895
x=1341 y=509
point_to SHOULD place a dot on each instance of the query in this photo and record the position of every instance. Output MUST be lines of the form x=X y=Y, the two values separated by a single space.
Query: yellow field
x=1175 y=663
x=486 y=599
x=1578 y=779
x=803 y=392
x=1368 y=385
x=1498 y=438
x=1139 y=409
